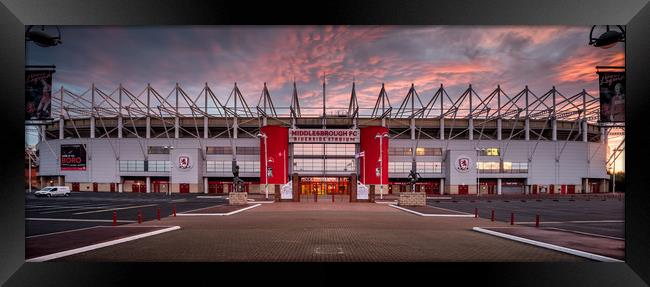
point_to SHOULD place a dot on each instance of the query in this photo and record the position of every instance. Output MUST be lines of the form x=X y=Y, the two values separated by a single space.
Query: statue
x=413 y=178
x=237 y=182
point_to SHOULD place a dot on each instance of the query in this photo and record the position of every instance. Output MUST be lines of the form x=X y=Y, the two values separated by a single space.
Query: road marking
x=59 y=232
x=431 y=215
x=548 y=246
x=112 y=209
x=586 y=233
x=202 y=208
x=218 y=214
x=450 y=210
x=211 y=196
x=99 y=245
x=81 y=208
x=576 y=221
x=386 y=202
x=75 y=219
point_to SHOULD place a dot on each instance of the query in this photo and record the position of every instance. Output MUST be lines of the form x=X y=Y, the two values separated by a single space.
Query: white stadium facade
x=498 y=143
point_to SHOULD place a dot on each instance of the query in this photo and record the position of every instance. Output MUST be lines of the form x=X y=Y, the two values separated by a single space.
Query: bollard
x=139 y=217
x=475 y=212
x=174 y=210
x=315 y=197
x=512 y=218
x=537 y=220
x=332 y=197
x=158 y=213
x=114 y=218
x=492 y=214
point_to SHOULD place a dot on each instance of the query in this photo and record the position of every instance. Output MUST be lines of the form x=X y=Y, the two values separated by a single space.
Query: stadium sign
x=324 y=135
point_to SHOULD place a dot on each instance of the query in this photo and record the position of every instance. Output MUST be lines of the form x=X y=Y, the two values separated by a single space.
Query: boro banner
x=38 y=94
x=73 y=157
x=612 y=96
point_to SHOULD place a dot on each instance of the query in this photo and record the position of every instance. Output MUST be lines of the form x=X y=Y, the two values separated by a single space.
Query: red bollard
x=158 y=213
x=332 y=197
x=139 y=217
x=537 y=220
x=174 y=210
x=315 y=197
x=492 y=214
x=114 y=218
x=475 y=212
x=512 y=218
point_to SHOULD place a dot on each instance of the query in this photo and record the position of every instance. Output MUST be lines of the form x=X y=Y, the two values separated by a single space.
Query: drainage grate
x=328 y=250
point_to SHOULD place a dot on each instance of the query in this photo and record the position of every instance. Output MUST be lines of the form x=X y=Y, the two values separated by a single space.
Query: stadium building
x=499 y=143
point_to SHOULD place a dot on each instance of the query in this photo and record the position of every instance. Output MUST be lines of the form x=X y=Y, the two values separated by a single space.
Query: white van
x=53 y=191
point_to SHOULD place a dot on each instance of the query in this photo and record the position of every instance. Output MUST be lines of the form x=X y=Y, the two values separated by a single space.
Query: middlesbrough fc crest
x=183 y=162
x=463 y=164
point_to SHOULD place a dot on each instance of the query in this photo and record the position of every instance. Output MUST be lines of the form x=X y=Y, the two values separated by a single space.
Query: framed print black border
x=15 y=14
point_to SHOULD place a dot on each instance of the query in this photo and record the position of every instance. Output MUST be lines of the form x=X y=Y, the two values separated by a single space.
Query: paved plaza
x=322 y=232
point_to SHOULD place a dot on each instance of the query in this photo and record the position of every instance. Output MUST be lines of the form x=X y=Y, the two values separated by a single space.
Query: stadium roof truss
x=456 y=116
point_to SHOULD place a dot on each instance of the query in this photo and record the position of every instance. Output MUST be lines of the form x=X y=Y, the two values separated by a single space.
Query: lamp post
x=381 y=137
x=478 y=181
x=266 y=164
x=29 y=155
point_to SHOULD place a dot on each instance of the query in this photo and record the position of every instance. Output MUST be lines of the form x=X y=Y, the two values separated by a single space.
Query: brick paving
x=609 y=247
x=53 y=243
x=323 y=231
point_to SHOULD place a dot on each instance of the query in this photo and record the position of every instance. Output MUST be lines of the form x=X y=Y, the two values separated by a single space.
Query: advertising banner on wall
x=38 y=94
x=612 y=96
x=73 y=157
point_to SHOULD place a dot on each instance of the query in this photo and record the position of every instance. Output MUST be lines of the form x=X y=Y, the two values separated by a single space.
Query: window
x=515 y=167
x=159 y=165
x=308 y=164
x=339 y=165
x=429 y=167
x=399 y=167
x=224 y=166
x=218 y=166
x=399 y=151
x=247 y=150
x=340 y=149
x=132 y=165
x=488 y=167
x=158 y=150
x=428 y=151
x=218 y=150
x=489 y=152
x=308 y=149
x=249 y=166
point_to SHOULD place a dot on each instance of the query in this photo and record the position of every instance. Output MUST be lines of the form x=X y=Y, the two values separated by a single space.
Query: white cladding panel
x=189 y=173
x=577 y=160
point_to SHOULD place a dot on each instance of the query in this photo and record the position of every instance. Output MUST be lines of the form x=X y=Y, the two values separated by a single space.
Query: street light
x=607 y=39
x=478 y=181
x=266 y=164
x=41 y=38
x=380 y=136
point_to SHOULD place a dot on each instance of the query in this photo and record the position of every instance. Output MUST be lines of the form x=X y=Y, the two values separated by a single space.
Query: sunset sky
x=485 y=56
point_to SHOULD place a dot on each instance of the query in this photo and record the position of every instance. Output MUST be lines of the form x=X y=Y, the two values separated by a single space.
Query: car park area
x=45 y=215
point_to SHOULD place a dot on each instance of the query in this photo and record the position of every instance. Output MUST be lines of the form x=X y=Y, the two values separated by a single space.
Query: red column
x=370 y=146
x=277 y=139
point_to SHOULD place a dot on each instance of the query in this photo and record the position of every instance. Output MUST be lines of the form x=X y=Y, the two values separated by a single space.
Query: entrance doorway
x=324 y=185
